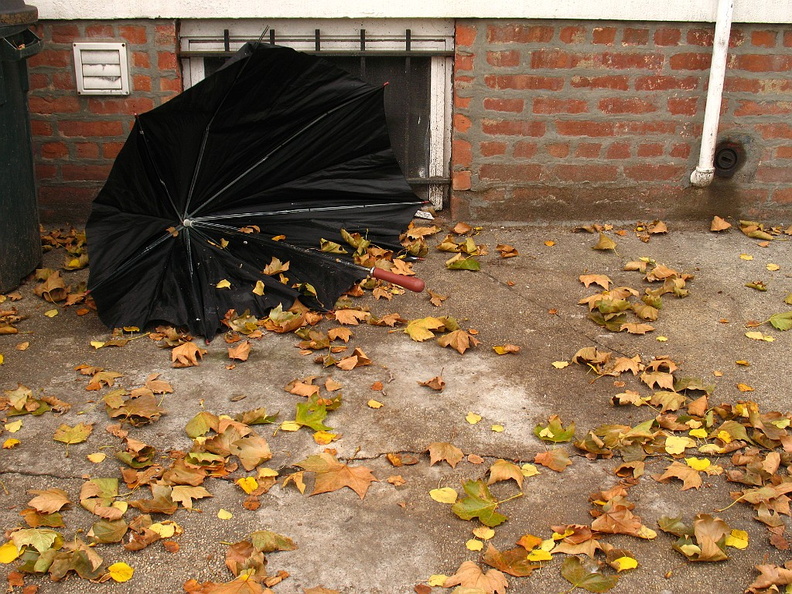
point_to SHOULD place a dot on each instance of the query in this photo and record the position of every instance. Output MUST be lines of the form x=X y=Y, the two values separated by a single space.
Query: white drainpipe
x=705 y=170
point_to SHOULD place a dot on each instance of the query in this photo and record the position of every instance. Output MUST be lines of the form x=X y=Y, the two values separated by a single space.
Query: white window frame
x=433 y=37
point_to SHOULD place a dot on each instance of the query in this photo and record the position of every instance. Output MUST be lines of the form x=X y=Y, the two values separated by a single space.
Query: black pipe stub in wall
x=729 y=157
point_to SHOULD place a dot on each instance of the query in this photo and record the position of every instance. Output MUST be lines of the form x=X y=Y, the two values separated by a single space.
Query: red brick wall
x=76 y=137
x=603 y=119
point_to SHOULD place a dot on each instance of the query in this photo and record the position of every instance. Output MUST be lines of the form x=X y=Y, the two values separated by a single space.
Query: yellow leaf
x=484 y=532
x=743 y=362
x=120 y=572
x=662 y=339
x=10 y=443
x=711 y=448
x=97 y=457
x=444 y=495
x=677 y=445
x=290 y=426
x=474 y=545
x=224 y=514
x=265 y=472
x=97 y=344
x=14 y=426
x=698 y=463
x=744 y=388
x=259 y=288
x=539 y=555
x=746 y=257
x=51 y=313
x=472 y=418
x=701 y=433
x=738 y=539
x=498 y=428
x=625 y=563
x=529 y=470
x=374 y=404
x=164 y=529
x=2 y=359
x=248 y=484
x=8 y=553
x=560 y=364
x=724 y=436
x=223 y=284
x=773 y=267
x=325 y=437
x=759 y=336
x=549 y=243
x=437 y=580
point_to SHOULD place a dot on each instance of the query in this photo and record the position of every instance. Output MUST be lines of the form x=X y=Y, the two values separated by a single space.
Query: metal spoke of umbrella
x=131 y=262
x=154 y=165
x=266 y=157
x=274 y=213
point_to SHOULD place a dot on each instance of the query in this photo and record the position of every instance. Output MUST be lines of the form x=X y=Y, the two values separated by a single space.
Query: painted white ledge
x=745 y=11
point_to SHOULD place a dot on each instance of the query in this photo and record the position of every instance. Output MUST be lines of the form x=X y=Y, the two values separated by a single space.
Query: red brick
x=99 y=31
x=64 y=33
x=631 y=105
x=64 y=81
x=588 y=150
x=764 y=38
x=165 y=35
x=462 y=123
x=619 y=150
x=167 y=61
x=787 y=38
x=558 y=150
x=633 y=36
x=85 y=172
x=666 y=83
x=650 y=150
x=87 y=150
x=757 y=108
x=701 y=37
x=603 y=35
x=504 y=58
x=784 y=152
x=51 y=57
x=110 y=150
x=141 y=82
x=651 y=61
x=782 y=195
x=38 y=81
x=45 y=171
x=491 y=149
x=465 y=35
x=513 y=127
x=463 y=61
x=525 y=150
x=125 y=105
x=645 y=127
x=683 y=106
x=520 y=34
x=681 y=151
x=617 y=83
x=40 y=128
x=579 y=173
x=461 y=102
x=690 y=61
x=574 y=34
x=461 y=153
x=515 y=172
x=50 y=104
x=549 y=105
x=585 y=128
x=774 y=85
x=667 y=36
x=524 y=82
x=141 y=60
x=171 y=84
x=733 y=84
x=509 y=105
x=774 y=175
x=135 y=34
x=761 y=62
x=54 y=150
x=655 y=172
x=90 y=128
x=460 y=180
x=554 y=58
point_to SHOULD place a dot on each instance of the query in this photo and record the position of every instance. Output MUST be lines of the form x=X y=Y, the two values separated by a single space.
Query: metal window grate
x=101 y=68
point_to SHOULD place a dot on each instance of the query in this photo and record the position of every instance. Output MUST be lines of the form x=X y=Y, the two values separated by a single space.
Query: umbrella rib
x=132 y=261
x=154 y=164
x=258 y=163
x=272 y=213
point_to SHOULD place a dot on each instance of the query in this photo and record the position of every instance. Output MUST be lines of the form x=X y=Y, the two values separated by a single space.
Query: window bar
x=363 y=55
x=317 y=40
x=226 y=40
x=408 y=84
x=272 y=36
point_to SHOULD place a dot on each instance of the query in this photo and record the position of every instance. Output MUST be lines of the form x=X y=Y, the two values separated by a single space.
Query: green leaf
x=331 y=247
x=77 y=434
x=580 y=576
x=108 y=531
x=674 y=526
x=480 y=504
x=781 y=321
x=554 y=431
x=459 y=262
x=201 y=424
x=311 y=414
x=267 y=541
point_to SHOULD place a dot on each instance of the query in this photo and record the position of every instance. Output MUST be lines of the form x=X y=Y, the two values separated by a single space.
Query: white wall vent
x=101 y=68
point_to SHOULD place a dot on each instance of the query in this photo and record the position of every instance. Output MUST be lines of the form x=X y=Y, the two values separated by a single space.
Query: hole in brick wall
x=729 y=157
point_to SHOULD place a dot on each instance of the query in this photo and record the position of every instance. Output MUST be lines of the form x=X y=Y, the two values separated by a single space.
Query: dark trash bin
x=20 y=244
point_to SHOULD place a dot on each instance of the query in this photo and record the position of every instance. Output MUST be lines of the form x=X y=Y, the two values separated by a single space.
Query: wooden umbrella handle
x=408 y=282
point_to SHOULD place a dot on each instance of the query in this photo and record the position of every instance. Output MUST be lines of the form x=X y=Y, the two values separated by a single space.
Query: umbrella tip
x=386 y=83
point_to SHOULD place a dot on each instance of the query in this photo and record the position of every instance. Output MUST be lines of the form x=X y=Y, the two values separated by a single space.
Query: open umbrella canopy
x=253 y=166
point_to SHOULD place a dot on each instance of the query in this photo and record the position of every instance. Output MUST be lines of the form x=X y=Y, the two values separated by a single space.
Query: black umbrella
x=276 y=143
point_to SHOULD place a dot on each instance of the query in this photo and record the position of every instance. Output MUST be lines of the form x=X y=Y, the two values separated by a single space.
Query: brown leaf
x=690 y=478
x=436 y=383
x=459 y=340
x=332 y=475
x=444 y=451
x=556 y=459
x=339 y=334
x=605 y=243
x=514 y=561
x=435 y=298
x=502 y=470
x=240 y=352
x=48 y=501
x=351 y=317
x=506 y=250
x=470 y=575
x=461 y=228
x=719 y=224
x=602 y=280
x=187 y=355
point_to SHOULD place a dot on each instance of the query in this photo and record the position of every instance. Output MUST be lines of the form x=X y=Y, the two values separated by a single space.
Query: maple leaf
x=332 y=475
x=690 y=478
x=602 y=280
x=251 y=451
x=240 y=352
x=436 y=299
x=580 y=576
x=422 y=329
x=267 y=541
x=102 y=378
x=635 y=328
x=554 y=431
x=187 y=355
x=351 y=317
x=185 y=494
x=616 y=518
x=158 y=386
x=460 y=262
x=502 y=470
x=557 y=459
x=436 y=383
x=339 y=334
x=77 y=434
x=658 y=378
x=513 y=561
x=459 y=340
x=470 y=575
x=770 y=575
x=506 y=251
x=479 y=503
x=444 y=451
x=49 y=501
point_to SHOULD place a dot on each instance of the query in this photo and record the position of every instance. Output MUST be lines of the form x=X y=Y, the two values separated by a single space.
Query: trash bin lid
x=16 y=12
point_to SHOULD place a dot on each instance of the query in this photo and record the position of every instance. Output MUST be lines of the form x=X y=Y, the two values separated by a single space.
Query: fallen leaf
x=71 y=435
x=120 y=572
x=577 y=574
x=719 y=224
x=436 y=383
x=187 y=354
x=605 y=243
x=556 y=459
x=241 y=352
x=444 y=451
x=470 y=575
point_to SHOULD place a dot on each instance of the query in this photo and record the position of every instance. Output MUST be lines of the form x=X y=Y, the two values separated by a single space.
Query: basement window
x=413 y=57
x=101 y=68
